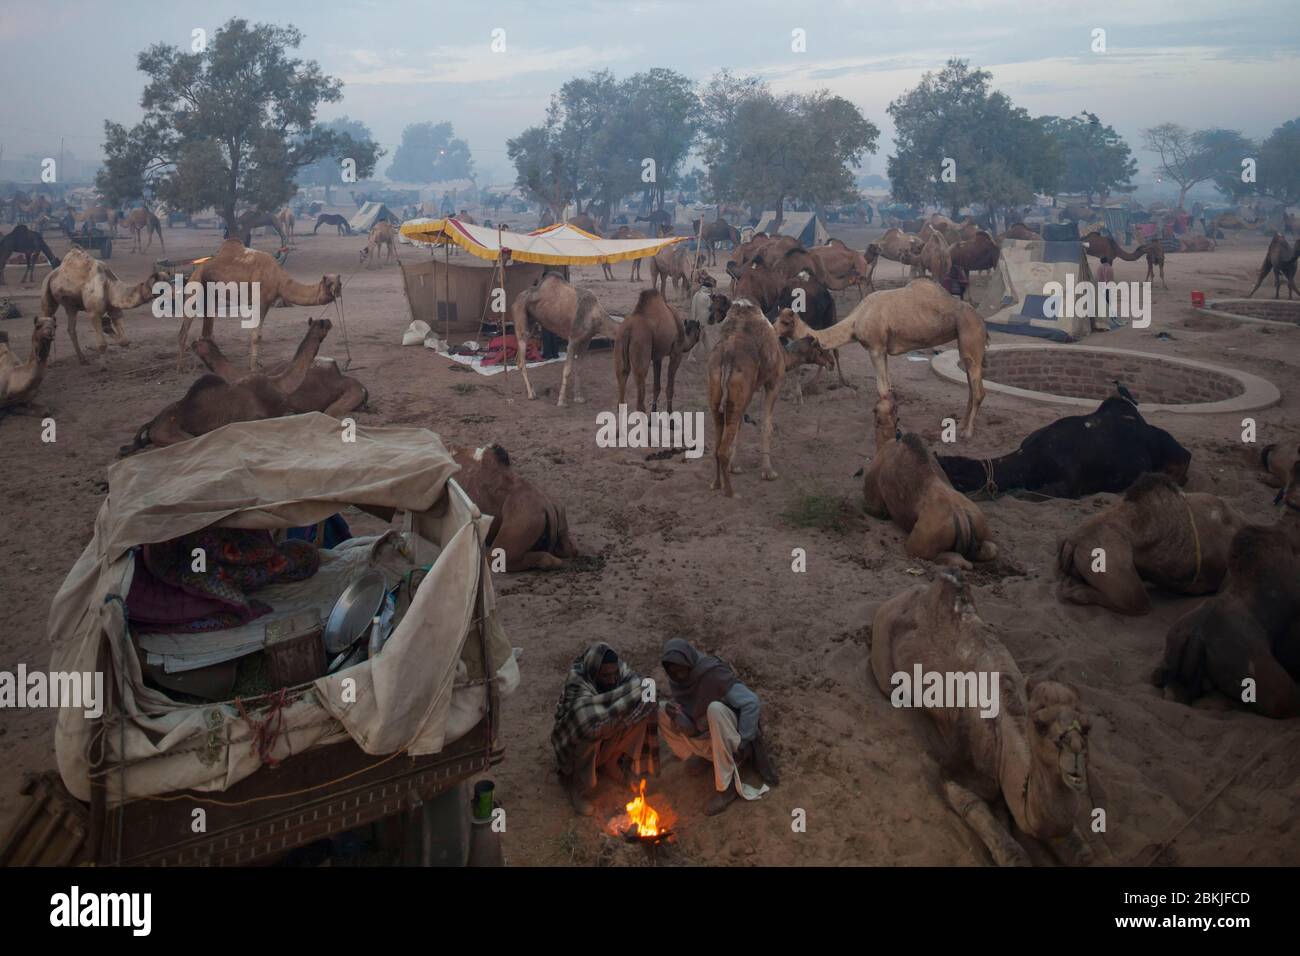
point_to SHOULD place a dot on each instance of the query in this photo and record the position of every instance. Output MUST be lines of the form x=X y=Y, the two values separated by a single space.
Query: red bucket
x=1198 y=300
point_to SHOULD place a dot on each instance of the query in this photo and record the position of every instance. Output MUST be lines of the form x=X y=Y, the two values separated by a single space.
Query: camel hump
x=646 y=299
x=1150 y=485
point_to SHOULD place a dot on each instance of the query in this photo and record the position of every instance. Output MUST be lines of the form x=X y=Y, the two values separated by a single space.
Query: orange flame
x=642 y=815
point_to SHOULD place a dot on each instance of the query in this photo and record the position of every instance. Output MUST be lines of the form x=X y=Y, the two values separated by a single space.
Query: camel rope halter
x=1196 y=535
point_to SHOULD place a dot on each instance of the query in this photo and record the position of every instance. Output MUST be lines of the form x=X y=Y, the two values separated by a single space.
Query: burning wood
x=641 y=823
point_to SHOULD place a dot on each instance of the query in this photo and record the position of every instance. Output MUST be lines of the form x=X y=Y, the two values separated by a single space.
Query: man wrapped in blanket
x=603 y=721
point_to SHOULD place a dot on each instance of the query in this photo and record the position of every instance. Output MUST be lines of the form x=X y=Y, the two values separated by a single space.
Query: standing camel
x=143 y=221
x=1104 y=247
x=30 y=244
x=287 y=223
x=259 y=271
x=82 y=283
x=1281 y=261
x=381 y=235
x=653 y=332
x=571 y=314
x=920 y=315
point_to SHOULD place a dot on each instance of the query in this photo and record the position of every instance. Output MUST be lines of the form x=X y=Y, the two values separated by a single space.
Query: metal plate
x=353 y=611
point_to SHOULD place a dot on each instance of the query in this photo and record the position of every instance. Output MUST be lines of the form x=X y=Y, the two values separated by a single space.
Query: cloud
x=474 y=64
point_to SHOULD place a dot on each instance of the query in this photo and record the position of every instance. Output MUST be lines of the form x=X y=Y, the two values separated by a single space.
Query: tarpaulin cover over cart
x=423 y=691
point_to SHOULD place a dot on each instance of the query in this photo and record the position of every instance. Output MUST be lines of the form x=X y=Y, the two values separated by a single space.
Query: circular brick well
x=1281 y=311
x=1083 y=375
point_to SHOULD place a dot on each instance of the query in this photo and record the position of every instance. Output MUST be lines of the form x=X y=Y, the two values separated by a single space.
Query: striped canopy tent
x=562 y=244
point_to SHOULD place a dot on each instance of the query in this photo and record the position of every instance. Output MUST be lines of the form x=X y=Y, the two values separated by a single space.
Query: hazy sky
x=66 y=65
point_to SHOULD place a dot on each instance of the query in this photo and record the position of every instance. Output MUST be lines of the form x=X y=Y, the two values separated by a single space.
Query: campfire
x=641 y=823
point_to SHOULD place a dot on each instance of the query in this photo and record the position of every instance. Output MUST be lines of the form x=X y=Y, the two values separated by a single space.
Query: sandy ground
x=668 y=557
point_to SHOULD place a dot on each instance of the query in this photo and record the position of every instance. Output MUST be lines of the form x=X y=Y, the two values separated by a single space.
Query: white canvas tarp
x=1015 y=301
x=368 y=215
x=807 y=227
x=415 y=696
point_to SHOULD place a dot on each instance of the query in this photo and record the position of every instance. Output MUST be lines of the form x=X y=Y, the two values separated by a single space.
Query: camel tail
x=724 y=378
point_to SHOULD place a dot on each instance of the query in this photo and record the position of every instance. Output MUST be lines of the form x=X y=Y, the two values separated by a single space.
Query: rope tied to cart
x=266 y=733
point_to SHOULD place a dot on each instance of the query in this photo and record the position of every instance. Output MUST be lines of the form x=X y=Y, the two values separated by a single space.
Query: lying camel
x=653 y=332
x=1277 y=460
x=571 y=314
x=1280 y=260
x=1076 y=456
x=531 y=531
x=333 y=219
x=1032 y=757
x=20 y=380
x=1019 y=231
x=903 y=483
x=325 y=389
x=895 y=321
x=1155 y=534
x=748 y=358
x=261 y=271
x=1246 y=637
x=82 y=283
x=212 y=401
x=1196 y=244
x=381 y=234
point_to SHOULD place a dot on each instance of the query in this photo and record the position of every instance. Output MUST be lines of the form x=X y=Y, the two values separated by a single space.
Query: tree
x=1279 y=163
x=230 y=126
x=1224 y=150
x=999 y=155
x=430 y=153
x=1097 y=160
x=659 y=121
x=763 y=149
x=540 y=169
x=1190 y=158
x=354 y=138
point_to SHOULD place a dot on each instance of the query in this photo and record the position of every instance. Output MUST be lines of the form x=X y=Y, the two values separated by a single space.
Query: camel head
x=872 y=253
x=807 y=351
x=1059 y=732
x=43 y=336
x=706 y=281
x=718 y=306
x=786 y=324
x=692 y=336
x=333 y=286
x=321 y=327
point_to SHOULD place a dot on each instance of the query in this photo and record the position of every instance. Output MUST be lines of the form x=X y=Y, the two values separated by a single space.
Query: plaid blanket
x=584 y=714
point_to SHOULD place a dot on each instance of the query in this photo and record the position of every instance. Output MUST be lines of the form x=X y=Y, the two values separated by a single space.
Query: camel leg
x=182 y=340
x=564 y=378
x=72 y=334
x=351 y=399
x=840 y=370
x=725 y=451
x=621 y=371
x=673 y=362
x=770 y=395
x=658 y=369
x=1263 y=273
x=1164 y=285
x=1004 y=849
x=970 y=344
x=1118 y=588
x=576 y=351
x=537 y=561
x=880 y=362
x=521 y=358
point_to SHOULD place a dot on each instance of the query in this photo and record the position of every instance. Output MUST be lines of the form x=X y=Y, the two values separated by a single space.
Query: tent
x=424 y=691
x=1014 y=301
x=807 y=227
x=561 y=244
x=369 y=214
x=452 y=296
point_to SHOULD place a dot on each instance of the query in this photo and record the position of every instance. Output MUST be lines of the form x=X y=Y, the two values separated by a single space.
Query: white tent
x=369 y=214
x=1014 y=300
x=807 y=227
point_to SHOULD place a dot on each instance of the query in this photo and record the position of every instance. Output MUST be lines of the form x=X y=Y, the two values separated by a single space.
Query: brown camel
x=1105 y=247
x=898 y=246
x=672 y=263
x=571 y=314
x=653 y=332
x=934 y=257
x=1031 y=757
x=842 y=265
x=235 y=263
x=1277 y=460
x=325 y=388
x=918 y=316
x=1020 y=231
x=212 y=401
x=586 y=223
x=716 y=232
x=254 y=219
x=528 y=529
x=904 y=483
x=381 y=234
x=1245 y=641
x=143 y=221
x=82 y=283
x=29 y=243
x=287 y=224
x=1155 y=533
x=976 y=254
x=1281 y=261
x=1195 y=244
x=748 y=357
x=805 y=352
x=20 y=380
x=97 y=214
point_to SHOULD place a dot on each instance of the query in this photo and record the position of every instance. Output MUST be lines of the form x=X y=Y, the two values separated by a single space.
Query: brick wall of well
x=1092 y=375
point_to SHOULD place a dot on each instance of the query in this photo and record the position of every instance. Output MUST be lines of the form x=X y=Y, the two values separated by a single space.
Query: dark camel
x=1281 y=261
x=652 y=333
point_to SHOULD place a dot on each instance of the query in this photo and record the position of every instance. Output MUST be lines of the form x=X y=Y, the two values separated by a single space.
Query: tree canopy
x=1097 y=160
x=1000 y=155
x=1279 y=163
x=431 y=153
x=230 y=125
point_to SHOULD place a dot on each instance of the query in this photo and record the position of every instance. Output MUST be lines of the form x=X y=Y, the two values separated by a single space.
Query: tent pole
x=446 y=273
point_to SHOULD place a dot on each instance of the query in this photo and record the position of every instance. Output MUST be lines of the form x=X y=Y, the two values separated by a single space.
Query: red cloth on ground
x=504 y=348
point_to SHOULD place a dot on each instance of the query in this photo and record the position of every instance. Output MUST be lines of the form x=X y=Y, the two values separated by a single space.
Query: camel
x=213 y=401
x=1030 y=758
x=1276 y=460
x=804 y=352
x=672 y=262
x=1281 y=261
x=20 y=380
x=1105 y=247
x=381 y=234
x=898 y=246
x=1104 y=451
x=1020 y=231
x=287 y=223
x=255 y=219
x=82 y=283
x=934 y=257
x=660 y=221
x=29 y=243
x=234 y=263
x=713 y=233
x=976 y=254
x=528 y=529
x=1196 y=244
x=841 y=265
x=144 y=221
x=586 y=223
x=571 y=314
x=97 y=214
x=1155 y=533
x=625 y=232
x=748 y=358
x=1246 y=637
x=333 y=219
x=653 y=332
x=904 y=483
x=325 y=388
x=817 y=309
x=917 y=316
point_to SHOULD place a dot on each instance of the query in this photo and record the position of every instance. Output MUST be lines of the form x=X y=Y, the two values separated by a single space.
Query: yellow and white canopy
x=562 y=244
